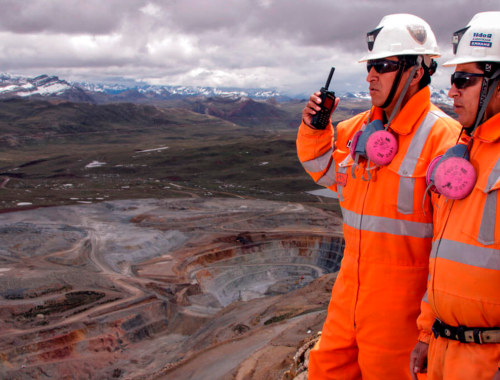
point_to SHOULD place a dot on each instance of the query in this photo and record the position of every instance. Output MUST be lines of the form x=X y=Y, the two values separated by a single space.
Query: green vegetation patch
x=278 y=318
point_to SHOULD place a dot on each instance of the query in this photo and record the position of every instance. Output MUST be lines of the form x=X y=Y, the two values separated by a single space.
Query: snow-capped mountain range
x=179 y=91
x=41 y=85
x=45 y=85
x=52 y=86
x=437 y=96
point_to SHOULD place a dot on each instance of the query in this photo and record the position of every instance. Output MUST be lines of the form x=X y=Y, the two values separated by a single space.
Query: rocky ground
x=163 y=289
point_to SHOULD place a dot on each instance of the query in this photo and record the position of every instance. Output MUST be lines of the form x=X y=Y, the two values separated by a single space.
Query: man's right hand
x=418 y=359
x=312 y=108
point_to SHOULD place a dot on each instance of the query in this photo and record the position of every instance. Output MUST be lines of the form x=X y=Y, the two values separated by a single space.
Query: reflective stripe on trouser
x=452 y=360
x=371 y=351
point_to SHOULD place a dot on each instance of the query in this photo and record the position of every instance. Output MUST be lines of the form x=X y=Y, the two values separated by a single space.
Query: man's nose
x=453 y=92
x=372 y=75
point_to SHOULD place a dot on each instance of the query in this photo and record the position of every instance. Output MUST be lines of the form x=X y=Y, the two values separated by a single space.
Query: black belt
x=466 y=334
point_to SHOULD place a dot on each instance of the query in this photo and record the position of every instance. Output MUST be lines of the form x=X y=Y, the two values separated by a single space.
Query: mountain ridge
x=46 y=86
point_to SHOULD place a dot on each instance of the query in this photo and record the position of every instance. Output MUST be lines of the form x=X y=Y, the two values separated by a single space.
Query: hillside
x=58 y=153
x=34 y=118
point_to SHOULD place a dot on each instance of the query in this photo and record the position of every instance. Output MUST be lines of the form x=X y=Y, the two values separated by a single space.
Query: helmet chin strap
x=488 y=88
x=490 y=82
x=395 y=85
x=395 y=111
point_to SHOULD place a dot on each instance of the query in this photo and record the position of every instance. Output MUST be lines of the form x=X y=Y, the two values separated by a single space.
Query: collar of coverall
x=406 y=119
x=489 y=131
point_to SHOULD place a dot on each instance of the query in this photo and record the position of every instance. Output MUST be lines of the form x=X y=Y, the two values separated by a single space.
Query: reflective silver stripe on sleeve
x=405 y=195
x=425 y=298
x=328 y=178
x=467 y=254
x=486 y=234
x=493 y=177
x=319 y=163
x=417 y=143
x=387 y=225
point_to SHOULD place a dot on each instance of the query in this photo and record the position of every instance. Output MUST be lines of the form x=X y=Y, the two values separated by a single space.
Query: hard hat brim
x=467 y=59
x=371 y=56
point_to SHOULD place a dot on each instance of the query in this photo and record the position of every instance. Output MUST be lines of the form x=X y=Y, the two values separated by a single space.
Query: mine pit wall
x=85 y=342
x=252 y=270
x=253 y=282
x=111 y=330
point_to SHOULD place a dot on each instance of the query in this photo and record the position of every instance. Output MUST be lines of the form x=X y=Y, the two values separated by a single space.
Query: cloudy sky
x=288 y=45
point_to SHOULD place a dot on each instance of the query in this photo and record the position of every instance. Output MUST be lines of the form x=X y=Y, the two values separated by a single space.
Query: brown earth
x=163 y=289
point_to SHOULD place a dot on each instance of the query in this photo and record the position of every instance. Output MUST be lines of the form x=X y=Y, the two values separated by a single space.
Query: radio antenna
x=329 y=78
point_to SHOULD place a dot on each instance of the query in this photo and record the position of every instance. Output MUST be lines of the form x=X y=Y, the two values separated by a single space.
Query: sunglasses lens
x=463 y=80
x=460 y=83
x=382 y=66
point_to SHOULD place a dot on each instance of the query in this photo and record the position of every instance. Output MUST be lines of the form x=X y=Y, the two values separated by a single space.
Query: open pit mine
x=163 y=289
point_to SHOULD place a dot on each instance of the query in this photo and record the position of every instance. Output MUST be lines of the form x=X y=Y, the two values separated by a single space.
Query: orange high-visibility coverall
x=371 y=327
x=464 y=280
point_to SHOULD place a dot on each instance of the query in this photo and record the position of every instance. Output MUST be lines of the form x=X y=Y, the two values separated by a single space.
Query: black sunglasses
x=463 y=80
x=382 y=66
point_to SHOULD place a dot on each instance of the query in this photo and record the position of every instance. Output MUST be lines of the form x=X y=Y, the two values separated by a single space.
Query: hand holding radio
x=321 y=104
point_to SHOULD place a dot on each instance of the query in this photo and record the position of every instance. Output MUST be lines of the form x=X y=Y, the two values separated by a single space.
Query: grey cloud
x=320 y=22
x=283 y=43
x=67 y=16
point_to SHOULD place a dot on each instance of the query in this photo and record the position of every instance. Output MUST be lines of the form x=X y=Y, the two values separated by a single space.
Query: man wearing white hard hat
x=462 y=303
x=377 y=165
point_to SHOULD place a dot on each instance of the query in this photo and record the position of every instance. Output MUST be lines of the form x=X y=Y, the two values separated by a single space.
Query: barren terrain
x=186 y=288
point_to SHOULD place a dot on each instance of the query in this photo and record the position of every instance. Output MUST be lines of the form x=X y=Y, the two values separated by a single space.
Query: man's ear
x=418 y=75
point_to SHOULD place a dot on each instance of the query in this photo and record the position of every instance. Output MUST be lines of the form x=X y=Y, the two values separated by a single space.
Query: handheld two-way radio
x=321 y=119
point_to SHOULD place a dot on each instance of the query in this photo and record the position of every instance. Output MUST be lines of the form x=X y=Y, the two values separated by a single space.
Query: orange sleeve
x=315 y=150
x=425 y=321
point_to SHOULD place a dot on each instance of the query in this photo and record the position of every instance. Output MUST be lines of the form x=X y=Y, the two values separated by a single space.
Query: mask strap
x=354 y=166
x=356 y=155
x=369 y=174
x=369 y=117
x=368 y=171
x=425 y=195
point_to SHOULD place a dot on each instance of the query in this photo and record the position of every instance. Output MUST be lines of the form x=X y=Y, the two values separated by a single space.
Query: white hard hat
x=479 y=41
x=401 y=34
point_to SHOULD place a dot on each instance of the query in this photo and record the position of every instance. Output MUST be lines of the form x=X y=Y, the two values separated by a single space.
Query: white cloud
x=151 y=10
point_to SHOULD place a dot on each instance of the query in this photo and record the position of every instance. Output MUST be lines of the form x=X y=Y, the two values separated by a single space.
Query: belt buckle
x=480 y=336
x=437 y=323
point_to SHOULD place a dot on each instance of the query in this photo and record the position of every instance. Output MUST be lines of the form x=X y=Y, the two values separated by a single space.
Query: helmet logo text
x=482 y=40
x=418 y=33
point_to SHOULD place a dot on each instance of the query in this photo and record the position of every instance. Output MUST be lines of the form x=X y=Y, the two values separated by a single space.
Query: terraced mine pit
x=163 y=289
